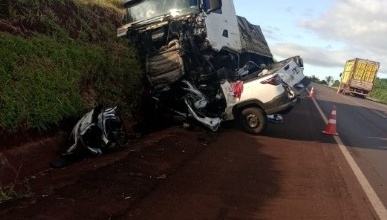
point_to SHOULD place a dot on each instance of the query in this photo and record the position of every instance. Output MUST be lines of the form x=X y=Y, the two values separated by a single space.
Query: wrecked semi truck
x=358 y=77
x=205 y=62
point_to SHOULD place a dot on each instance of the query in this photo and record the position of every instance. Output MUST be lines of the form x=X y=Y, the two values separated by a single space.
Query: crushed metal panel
x=211 y=123
x=165 y=67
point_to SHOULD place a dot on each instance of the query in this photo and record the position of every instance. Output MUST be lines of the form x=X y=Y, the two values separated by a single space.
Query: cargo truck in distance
x=358 y=77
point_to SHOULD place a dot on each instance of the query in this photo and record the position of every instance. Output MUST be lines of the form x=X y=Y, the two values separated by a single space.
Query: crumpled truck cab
x=193 y=43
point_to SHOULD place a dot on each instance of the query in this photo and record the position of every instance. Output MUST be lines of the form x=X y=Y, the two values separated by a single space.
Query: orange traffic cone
x=331 y=126
x=311 y=94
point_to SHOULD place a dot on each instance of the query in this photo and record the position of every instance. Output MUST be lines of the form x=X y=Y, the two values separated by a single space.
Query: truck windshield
x=152 y=8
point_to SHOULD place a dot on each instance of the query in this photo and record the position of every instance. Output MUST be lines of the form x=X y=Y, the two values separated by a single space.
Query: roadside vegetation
x=379 y=92
x=60 y=58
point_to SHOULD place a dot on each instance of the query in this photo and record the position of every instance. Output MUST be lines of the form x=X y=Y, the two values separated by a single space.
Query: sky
x=324 y=33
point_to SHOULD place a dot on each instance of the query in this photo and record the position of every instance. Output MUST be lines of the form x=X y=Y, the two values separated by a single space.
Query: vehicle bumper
x=280 y=105
x=300 y=87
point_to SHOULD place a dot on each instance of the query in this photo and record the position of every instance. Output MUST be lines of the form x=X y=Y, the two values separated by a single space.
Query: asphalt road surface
x=292 y=171
x=362 y=126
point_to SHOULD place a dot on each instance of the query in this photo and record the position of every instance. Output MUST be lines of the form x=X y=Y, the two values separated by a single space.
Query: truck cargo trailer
x=358 y=77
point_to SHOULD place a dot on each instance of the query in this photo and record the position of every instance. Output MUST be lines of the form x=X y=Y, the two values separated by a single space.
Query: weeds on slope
x=59 y=58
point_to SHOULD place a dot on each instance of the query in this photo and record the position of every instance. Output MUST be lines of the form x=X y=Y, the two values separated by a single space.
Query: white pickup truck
x=260 y=93
x=201 y=54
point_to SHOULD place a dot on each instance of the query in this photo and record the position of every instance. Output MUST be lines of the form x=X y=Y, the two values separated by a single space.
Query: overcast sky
x=325 y=33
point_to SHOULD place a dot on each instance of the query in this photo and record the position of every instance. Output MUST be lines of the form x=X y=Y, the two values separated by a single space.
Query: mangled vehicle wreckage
x=205 y=62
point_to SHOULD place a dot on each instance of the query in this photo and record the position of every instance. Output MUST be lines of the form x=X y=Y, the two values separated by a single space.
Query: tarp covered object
x=252 y=38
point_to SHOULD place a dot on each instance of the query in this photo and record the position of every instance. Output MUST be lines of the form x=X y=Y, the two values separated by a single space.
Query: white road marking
x=377 y=204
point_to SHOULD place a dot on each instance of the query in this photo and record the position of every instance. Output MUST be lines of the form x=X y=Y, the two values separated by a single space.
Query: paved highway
x=362 y=126
x=292 y=171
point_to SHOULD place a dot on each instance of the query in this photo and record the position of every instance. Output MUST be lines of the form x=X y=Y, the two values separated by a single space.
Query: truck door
x=222 y=27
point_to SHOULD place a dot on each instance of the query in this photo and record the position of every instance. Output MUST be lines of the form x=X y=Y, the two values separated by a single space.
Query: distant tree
x=336 y=83
x=328 y=80
x=323 y=82
x=314 y=79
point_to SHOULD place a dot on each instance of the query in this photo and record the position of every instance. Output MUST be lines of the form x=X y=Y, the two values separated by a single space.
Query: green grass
x=380 y=90
x=62 y=58
x=42 y=80
x=58 y=59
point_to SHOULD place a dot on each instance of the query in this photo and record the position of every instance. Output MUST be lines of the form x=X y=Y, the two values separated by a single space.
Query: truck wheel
x=253 y=120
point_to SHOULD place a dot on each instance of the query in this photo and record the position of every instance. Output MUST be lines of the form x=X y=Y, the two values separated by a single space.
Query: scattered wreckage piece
x=97 y=132
x=199 y=102
x=278 y=119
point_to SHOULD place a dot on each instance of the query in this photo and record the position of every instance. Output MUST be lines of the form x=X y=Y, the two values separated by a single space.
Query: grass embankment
x=379 y=92
x=59 y=58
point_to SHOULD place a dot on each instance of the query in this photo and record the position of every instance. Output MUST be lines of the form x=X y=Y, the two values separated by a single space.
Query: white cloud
x=360 y=25
x=312 y=55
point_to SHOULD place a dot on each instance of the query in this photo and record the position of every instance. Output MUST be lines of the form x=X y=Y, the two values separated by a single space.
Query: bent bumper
x=280 y=105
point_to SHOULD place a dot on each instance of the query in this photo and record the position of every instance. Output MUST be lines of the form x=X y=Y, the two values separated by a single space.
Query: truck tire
x=253 y=120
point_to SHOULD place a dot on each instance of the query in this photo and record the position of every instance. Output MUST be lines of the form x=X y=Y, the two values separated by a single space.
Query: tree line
x=329 y=81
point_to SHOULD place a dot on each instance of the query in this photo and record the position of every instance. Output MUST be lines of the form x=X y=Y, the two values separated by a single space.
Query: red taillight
x=275 y=81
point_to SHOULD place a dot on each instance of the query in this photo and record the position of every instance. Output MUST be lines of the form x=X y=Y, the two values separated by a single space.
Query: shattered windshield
x=152 y=8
